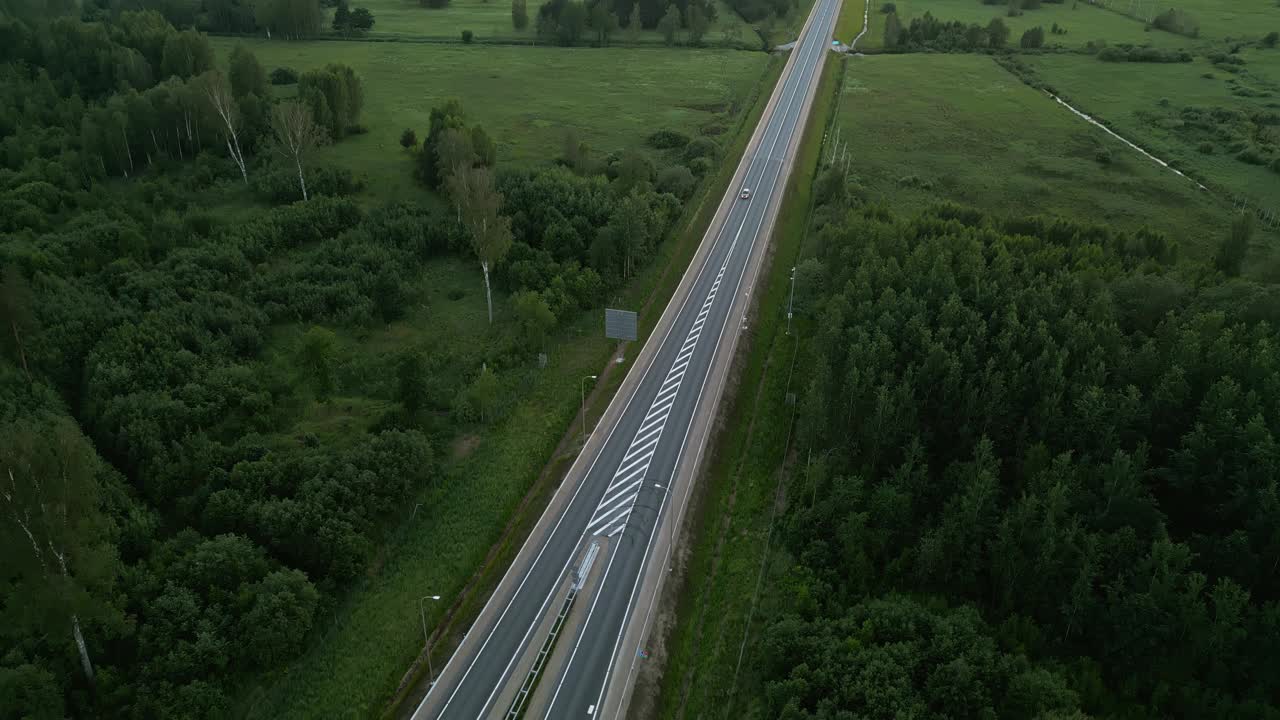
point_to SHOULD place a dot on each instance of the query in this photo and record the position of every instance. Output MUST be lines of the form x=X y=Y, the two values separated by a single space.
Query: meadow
x=490 y=21
x=526 y=98
x=920 y=130
x=1084 y=23
x=1218 y=21
x=1144 y=102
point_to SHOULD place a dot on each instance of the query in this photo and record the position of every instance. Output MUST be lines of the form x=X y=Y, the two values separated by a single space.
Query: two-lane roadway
x=631 y=481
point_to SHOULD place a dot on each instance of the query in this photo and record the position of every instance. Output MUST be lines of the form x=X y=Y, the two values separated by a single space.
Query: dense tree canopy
x=1049 y=426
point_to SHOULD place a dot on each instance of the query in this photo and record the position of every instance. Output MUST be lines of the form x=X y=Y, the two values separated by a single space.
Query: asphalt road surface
x=635 y=470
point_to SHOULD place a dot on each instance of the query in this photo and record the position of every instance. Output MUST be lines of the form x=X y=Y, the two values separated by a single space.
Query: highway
x=629 y=487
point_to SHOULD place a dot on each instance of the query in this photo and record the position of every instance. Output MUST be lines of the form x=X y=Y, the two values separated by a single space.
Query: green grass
x=353 y=665
x=1126 y=94
x=1084 y=22
x=490 y=20
x=849 y=24
x=924 y=128
x=1218 y=20
x=732 y=519
x=526 y=98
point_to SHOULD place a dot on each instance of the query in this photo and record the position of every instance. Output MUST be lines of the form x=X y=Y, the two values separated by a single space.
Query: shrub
x=677 y=180
x=1270 y=39
x=701 y=166
x=701 y=148
x=1103 y=155
x=284 y=76
x=466 y=36
x=666 y=139
x=1178 y=22
x=1251 y=156
x=1032 y=38
x=280 y=183
x=1205 y=148
x=1129 y=53
x=890 y=7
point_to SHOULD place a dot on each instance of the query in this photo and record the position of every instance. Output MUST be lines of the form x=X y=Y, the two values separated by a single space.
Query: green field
x=490 y=20
x=1142 y=102
x=925 y=128
x=1248 y=19
x=526 y=98
x=1084 y=23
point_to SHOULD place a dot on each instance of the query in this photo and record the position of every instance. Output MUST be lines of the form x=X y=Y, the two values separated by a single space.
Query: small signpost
x=620 y=325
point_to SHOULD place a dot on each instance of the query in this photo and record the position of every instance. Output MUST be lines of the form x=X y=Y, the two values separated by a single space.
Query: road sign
x=619 y=324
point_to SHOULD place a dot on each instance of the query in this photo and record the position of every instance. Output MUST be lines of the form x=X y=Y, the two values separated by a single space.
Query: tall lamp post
x=582 y=386
x=426 y=639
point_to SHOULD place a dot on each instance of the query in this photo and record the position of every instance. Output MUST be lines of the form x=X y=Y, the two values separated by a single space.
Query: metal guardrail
x=580 y=575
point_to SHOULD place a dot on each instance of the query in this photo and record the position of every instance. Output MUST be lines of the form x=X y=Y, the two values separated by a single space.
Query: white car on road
x=746 y=193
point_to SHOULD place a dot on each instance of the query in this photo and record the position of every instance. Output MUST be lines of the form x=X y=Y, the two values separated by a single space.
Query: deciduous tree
x=479 y=205
x=296 y=134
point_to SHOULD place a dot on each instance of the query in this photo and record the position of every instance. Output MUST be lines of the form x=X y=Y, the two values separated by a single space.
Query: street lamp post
x=792 y=299
x=583 y=387
x=426 y=639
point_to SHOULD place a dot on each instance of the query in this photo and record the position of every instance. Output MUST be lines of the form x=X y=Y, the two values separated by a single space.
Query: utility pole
x=792 y=299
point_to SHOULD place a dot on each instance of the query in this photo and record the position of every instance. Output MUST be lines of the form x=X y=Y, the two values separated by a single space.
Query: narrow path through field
x=1124 y=140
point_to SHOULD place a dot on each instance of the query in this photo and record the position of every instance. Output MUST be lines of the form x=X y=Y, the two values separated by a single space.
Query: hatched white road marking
x=610 y=516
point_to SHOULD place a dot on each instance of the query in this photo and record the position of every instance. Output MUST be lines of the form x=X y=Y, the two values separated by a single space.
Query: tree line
x=1037 y=475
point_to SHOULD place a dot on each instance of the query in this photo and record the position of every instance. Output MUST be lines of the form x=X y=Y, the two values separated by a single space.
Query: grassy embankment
x=733 y=513
x=925 y=128
x=849 y=24
x=525 y=98
x=352 y=669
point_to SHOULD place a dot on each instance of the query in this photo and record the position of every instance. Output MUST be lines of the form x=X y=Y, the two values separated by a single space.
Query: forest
x=168 y=538
x=1037 y=472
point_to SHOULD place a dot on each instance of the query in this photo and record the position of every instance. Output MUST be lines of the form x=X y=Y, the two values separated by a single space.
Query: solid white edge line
x=746 y=263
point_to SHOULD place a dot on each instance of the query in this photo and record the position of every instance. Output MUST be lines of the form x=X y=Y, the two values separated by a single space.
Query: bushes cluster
x=279 y=184
x=1176 y=21
x=1131 y=53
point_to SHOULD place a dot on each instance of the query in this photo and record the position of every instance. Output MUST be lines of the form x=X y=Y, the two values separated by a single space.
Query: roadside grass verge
x=923 y=128
x=731 y=518
x=445 y=538
x=849 y=24
x=526 y=98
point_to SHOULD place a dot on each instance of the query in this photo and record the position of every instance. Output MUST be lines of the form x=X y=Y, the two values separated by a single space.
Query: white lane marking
x=624 y=508
x=649 y=433
x=639 y=470
x=636 y=584
x=621 y=492
x=637 y=449
x=661 y=412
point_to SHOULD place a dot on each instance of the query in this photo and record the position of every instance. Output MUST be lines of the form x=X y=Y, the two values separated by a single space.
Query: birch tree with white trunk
x=58 y=552
x=218 y=92
x=478 y=204
x=296 y=134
